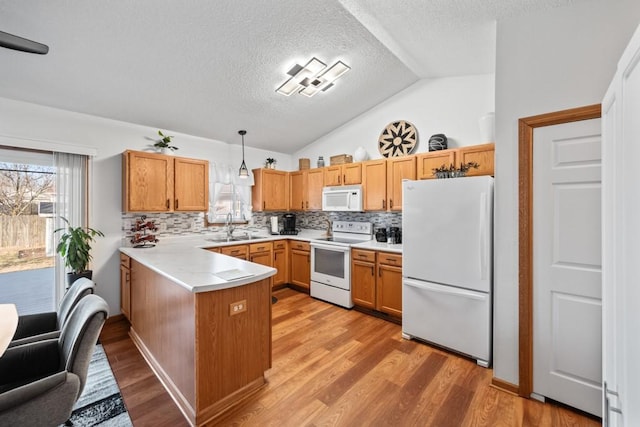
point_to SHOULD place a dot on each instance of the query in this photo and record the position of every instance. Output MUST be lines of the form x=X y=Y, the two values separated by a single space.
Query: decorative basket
x=304 y=164
x=340 y=159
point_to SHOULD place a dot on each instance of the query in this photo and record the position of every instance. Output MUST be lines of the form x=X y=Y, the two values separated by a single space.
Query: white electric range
x=331 y=261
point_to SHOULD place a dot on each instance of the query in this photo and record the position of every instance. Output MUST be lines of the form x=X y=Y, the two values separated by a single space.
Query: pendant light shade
x=244 y=172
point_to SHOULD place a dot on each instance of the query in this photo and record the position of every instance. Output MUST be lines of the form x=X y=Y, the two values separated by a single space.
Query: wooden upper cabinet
x=191 y=178
x=306 y=189
x=333 y=175
x=398 y=168
x=298 y=190
x=345 y=174
x=374 y=179
x=383 y=182
x=315 y=182
x=271 y=190
x=483 y=154
x=153 y=182
x=427 y=162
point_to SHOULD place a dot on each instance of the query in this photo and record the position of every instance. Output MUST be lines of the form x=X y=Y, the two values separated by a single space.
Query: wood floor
x=337 y=367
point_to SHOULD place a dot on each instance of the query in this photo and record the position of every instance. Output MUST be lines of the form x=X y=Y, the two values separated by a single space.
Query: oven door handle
x=335 y=248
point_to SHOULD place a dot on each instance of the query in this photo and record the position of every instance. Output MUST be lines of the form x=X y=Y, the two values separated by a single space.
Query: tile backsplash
x=184 y=224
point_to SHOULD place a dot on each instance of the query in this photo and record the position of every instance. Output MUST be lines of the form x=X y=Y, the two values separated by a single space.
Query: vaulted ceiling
x=211 y=67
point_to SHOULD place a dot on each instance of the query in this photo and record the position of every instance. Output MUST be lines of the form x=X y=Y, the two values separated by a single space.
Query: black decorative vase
x=438 y=142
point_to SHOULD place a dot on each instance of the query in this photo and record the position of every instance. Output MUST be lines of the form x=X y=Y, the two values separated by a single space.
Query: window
x=36 y=188
x=228 y=201
x=229 y=195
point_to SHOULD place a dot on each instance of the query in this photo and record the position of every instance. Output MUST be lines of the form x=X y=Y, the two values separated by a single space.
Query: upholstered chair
x=41 y=326
x=41 y=381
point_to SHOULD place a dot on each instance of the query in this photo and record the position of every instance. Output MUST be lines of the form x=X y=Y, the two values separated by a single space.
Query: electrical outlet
x=162 y=227
x=237 y=307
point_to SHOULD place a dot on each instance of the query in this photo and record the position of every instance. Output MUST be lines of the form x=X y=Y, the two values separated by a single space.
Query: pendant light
x=244 y=172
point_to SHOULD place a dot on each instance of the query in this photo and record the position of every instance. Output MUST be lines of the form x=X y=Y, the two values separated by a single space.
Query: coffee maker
x=289 y=224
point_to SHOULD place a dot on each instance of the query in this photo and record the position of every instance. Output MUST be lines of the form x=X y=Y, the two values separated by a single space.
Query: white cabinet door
x=567 y=319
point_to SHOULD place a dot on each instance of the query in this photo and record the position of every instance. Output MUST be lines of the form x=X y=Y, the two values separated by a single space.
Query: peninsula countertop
x=185 y=261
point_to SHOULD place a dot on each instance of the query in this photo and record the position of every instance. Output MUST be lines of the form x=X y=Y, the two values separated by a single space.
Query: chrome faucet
x=228 y=225
x=329 y=230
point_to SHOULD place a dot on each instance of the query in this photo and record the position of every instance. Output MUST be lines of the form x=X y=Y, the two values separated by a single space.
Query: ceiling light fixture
x=310 y=78
x=244 y=172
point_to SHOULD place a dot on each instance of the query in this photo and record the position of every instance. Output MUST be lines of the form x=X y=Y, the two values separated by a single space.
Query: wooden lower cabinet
x=237 y=251
x=197 y=346
x=363 y=283
x=280 y=263
x=389 y=290
x=376 y=281
x=125 y=286
x=300 y=271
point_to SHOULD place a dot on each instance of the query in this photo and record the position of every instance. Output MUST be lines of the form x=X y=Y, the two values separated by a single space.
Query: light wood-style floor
x=337 y=367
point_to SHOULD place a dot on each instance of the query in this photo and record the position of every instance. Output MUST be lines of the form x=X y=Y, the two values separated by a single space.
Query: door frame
x=525 y=229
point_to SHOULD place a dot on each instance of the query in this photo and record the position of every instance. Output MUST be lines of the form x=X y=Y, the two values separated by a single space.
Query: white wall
x=110 y=138
x=450 y=105
x=559 y=59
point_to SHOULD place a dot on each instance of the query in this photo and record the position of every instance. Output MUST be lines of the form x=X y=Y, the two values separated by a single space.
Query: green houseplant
x=75 y=248
x=164 y=143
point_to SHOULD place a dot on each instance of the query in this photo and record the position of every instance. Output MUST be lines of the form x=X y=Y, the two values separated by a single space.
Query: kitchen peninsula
x=202 y=321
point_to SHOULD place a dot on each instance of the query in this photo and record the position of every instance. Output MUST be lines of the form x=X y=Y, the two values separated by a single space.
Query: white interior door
x=567 y=282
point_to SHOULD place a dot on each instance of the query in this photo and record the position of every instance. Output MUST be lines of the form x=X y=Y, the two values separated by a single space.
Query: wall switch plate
x=237 y=307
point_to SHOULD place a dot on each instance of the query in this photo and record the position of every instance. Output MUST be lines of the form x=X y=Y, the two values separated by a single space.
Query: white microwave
x=344 y=198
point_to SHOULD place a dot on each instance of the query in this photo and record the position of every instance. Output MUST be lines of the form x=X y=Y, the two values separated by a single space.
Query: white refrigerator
x=447 y=230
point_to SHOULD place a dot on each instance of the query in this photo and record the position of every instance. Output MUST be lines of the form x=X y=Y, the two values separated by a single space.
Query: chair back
x=76 y=291
x=79 y=335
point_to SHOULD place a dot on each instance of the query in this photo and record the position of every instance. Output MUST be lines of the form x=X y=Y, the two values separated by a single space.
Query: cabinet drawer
x=216 y=250
x=390 y=259
x=361 y=255
x=125 y=261
x=237 y=250
x=280 y=244
x=301 y=246
x=260 y=247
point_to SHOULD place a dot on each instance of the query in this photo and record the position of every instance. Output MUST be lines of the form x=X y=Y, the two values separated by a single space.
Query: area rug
x=101 y=403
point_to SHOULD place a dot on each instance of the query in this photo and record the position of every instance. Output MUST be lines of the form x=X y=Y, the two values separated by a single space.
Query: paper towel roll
x=274 y=224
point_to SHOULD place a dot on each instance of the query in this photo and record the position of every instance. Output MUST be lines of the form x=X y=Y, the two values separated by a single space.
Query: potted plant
x=270 y=163
x=452 y=172
x=164 y=144
x=75 y=247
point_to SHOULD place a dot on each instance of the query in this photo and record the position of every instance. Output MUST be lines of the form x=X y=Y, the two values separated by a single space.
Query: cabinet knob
x=167 y=203
x=379 y=272
x=176 y=203
x=390 y=203
x=372 y=272
x=384 y=204
x=339 y=179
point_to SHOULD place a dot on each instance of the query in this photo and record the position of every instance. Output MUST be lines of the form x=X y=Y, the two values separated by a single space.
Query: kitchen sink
x=242 y=238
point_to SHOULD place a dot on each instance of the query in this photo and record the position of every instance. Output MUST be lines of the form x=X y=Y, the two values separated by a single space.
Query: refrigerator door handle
x=484 y=261
x=443 y=289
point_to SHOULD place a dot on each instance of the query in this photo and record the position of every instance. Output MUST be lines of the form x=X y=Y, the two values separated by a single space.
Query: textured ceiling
x=208 y=68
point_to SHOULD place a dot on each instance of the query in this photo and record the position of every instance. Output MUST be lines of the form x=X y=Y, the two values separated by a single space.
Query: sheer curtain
x=221 y=175
x=71 y=202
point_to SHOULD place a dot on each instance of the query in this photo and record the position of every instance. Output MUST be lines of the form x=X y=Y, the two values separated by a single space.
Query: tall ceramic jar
x=487 y=125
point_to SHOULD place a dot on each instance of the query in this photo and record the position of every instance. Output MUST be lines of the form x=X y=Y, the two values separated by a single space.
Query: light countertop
x=379 y=246
x=183 y=260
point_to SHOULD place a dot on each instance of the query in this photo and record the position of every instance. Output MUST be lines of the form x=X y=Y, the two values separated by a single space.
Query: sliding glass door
x=27 y=200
